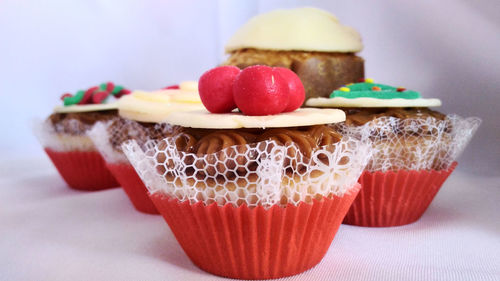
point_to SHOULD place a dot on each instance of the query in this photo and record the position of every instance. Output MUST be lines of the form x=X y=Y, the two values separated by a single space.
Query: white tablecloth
x=50 y=232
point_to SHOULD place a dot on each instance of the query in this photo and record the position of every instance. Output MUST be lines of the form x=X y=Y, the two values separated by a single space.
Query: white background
x=446 y=49
x=50 y=232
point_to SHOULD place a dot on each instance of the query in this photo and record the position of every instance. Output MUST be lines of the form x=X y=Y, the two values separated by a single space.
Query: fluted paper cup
x=255 y=243
x=395 y=198
x=82 y=170
x=133 y=187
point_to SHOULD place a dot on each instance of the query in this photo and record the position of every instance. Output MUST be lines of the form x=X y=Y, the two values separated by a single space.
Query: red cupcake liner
x=135 y=189
x=82 y=170
x=395 y=198
x=255 y=243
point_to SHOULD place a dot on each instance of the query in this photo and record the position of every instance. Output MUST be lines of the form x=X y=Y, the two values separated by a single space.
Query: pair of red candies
x=255 y=90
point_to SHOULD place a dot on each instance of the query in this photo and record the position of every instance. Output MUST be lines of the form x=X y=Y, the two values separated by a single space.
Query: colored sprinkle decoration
x=172 y=87
x=94 y=95
x=363 y=80
x=369 y=89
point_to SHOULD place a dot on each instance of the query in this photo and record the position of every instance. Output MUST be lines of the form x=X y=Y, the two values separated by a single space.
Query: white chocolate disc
x=234 y=120
x=190 y=86
x=154 y=107
x=184 y=96
x=302 y=29
x=371 y=102
x=86 y=107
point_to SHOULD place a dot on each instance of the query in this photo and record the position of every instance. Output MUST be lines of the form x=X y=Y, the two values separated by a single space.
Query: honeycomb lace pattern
x=259 y=174
x=414 y=143
x=109 y=135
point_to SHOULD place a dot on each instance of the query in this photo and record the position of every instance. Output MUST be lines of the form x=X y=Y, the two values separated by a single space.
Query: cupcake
x=309 y=41
x=139 y=117
x=252 y=196
x=64 y=136
x=414 y=149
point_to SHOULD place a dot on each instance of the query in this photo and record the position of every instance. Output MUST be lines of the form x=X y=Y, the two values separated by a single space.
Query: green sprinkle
x=117 y=89
x=74 y=99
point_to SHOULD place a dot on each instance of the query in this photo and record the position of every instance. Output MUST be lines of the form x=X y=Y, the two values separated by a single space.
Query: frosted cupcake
x=414 y=149
x=140 y=118
x=254 y=194
x=309 y=41
x=64 y=136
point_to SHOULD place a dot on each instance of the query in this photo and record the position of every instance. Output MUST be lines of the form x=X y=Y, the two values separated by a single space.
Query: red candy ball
x=216 y=89
x=296 y=91
x=260 y=90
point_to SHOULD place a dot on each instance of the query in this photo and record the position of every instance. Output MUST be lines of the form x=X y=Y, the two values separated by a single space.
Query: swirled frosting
x=207 y=141
x=77 y=123
x=221 y=148
x=360 y=116
x=217 y=141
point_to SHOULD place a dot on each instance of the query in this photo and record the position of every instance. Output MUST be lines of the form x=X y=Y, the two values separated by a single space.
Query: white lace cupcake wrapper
x=415 y=143
x=50 y=138
x=263 y=174
x=109 y=135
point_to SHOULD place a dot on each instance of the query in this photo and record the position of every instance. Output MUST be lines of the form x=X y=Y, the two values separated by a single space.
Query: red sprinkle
x=110 y=86
x=361 y=80
x=123 y=92
x=401 y=89
x=66 y=95
x=87 y=96
x=98 y=97
x=172 y=87
x=375 y=88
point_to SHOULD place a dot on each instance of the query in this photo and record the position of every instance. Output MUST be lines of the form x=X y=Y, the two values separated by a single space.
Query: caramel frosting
x=247 y=57
x=303 y=29
x=210 y=143
x=203 y=141
x=219 y=140
x=304 y=141
x=324 y=135
x=361 y=116
x=77 y=123
x=120 y=130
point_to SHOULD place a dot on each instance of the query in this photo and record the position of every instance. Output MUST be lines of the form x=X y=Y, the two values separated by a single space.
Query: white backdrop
x=446 y=49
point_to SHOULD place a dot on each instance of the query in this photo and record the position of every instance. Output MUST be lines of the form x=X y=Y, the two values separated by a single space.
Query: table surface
x=50 y=232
